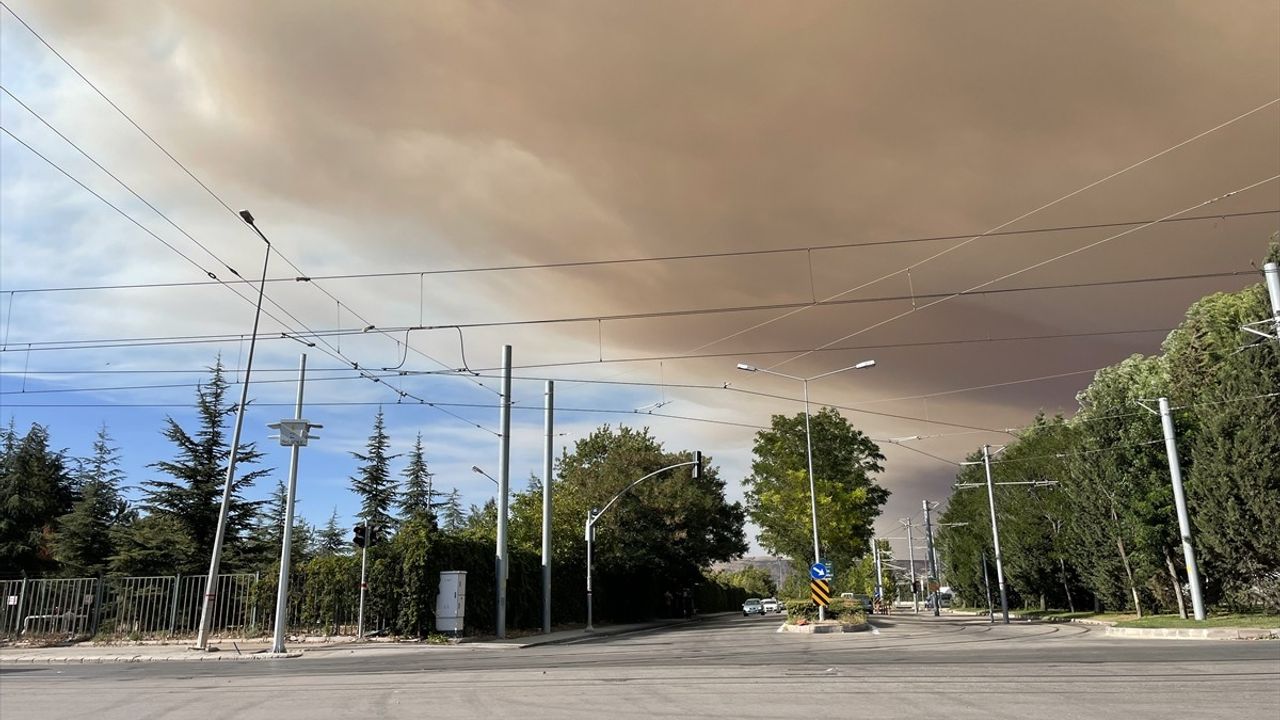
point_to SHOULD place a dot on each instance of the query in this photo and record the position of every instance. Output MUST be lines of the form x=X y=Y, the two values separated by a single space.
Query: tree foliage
x=373 y=483
x=845 y=463
x=1106 y=534
x=192 y=496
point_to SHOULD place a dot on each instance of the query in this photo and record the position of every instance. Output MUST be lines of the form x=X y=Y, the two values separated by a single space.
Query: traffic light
x=697 y=466
x=361 y=539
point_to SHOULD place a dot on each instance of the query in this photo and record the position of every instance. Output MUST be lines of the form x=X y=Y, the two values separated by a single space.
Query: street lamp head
x=476 y=469
x=748 y=368
x=246 y=216
x=864 y=365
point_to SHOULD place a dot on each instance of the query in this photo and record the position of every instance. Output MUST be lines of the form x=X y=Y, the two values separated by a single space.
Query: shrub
x=841 y=609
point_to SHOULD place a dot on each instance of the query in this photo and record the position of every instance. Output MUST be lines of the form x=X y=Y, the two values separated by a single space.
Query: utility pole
x=1269 y=328
x=911 y=549
x=1180 y=501
x=591 y=537
x=1272 y=272
x=995 y=533
x=295 y=435
x=504 y=488
x=875 y=554
x=546 y=509
x=986 y=582
x=933 y=558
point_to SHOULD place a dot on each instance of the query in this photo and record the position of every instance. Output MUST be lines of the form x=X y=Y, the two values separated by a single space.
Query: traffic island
x=824 y=627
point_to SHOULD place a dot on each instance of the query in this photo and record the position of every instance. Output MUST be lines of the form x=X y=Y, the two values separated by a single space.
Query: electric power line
x=618 y=261
x=657 y=314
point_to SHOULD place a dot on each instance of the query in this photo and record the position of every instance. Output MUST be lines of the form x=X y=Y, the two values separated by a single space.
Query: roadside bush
x=841 y=609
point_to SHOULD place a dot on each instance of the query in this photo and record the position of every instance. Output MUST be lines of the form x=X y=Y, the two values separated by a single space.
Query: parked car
x=771 y=605
x=944 y=600
x=863 y=601
x=753 y=606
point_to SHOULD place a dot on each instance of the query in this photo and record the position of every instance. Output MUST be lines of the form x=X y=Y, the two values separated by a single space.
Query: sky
x=817 y=181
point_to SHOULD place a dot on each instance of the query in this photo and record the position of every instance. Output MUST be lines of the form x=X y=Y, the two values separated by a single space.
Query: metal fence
x=126 y=607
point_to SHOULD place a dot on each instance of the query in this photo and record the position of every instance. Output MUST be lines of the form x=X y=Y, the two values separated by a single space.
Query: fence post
x=22 y=598
x=173 y=606
x=99 y=584
x=253 y=611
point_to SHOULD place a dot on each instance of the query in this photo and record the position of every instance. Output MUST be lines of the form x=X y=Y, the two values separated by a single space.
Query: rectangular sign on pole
x=820 y=592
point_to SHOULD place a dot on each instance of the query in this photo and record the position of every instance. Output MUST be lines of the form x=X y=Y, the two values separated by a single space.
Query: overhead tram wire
x=367 y=403
x=999 y=227
x=659 y=314
x=180 y=340
x=201 y=183
x=621 y=261
x=1037 y=265
x=330 y=350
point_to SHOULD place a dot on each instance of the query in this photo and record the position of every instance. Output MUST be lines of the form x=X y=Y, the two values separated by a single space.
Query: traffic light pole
x=364 y=564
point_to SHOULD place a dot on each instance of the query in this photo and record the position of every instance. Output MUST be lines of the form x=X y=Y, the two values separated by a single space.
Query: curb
x=107 y=659
x=582 y=635
x=1196 y=633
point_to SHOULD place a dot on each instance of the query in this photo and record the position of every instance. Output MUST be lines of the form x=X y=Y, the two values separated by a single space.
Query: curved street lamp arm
x=613 y=500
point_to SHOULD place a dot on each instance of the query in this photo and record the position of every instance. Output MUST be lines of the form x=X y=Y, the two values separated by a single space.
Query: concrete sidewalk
x=258 y=649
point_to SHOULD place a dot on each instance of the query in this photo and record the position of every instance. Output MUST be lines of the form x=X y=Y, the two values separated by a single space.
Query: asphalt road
x=729 y=667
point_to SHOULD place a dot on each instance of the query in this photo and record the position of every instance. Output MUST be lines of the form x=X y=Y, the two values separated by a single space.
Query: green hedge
x=842 y=609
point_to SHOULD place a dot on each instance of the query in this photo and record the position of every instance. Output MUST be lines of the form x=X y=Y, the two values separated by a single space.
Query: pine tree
x=330 y=539
x=194 y=496
x=452 y=517
x=86 y=539
x=35 y=489
x=418 y=499
x=270 y=532
x=373 y=483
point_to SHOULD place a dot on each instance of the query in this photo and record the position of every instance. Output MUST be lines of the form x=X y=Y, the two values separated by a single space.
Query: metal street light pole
x=808 y=441
x=215 y=560
x=593 y=515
